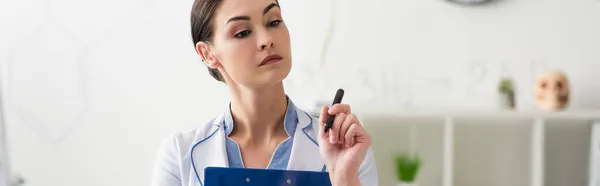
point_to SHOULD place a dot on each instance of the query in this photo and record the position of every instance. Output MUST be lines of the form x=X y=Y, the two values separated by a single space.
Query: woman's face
x=251 y=44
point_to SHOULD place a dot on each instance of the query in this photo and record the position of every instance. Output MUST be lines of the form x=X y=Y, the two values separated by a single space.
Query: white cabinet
x=490 y=148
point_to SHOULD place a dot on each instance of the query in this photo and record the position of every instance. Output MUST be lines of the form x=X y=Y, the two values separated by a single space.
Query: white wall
x=435 y=54
x=92 y=87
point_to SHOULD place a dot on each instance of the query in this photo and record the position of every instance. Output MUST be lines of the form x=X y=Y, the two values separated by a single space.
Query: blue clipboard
x=222 y=176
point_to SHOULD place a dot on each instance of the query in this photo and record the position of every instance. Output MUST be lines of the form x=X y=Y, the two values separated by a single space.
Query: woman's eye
x=242 y=34
x=274 y=23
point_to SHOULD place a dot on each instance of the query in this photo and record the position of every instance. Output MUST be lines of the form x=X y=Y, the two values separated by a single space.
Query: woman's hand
x=344 y=146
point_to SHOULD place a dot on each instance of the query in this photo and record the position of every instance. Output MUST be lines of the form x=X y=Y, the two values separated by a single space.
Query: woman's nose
x=265 y=40
x=264 y=46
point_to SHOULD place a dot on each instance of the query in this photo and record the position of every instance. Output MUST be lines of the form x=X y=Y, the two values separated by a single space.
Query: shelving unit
x=474 y=148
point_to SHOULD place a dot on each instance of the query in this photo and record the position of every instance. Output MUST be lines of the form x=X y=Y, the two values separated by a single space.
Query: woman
x=246 y=45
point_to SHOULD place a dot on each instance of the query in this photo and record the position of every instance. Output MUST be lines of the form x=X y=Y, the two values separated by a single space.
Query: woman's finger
x=340 y=108
x=334 y=136
x=349 y=136
x=361 y=135
x=349 y=120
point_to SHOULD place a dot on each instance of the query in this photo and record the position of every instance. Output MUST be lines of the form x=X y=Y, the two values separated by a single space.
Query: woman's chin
x=273 y=77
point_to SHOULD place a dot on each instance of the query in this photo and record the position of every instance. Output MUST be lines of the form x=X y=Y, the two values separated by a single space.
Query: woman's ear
x=207 y=56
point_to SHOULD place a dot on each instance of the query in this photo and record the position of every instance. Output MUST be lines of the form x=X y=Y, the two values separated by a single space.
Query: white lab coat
x=183 y=156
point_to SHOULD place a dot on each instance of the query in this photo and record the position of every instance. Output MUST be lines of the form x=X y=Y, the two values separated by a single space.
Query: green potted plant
x=507 y=93
x=407 y=169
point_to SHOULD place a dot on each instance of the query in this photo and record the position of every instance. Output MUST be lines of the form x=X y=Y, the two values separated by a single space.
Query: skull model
x=552 y=90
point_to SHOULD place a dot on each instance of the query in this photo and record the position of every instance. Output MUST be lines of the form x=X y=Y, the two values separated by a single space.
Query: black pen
x=337 y=99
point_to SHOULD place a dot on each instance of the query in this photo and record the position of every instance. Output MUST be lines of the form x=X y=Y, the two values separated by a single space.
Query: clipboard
x=222 y=176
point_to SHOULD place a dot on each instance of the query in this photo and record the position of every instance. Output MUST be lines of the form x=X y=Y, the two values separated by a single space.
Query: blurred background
x=89 y=89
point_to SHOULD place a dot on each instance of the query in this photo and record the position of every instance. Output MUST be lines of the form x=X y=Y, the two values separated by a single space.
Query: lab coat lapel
x=209 y=151
x=305 y=151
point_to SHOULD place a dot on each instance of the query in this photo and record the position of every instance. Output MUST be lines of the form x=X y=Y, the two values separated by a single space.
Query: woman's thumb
x=322 y=120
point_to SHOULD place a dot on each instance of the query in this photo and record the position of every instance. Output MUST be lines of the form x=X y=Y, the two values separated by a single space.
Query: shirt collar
x=290 y=119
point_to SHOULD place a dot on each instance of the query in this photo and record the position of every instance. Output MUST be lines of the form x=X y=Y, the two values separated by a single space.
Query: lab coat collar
x=210 y=149
x=305 y=151
x=290 y=120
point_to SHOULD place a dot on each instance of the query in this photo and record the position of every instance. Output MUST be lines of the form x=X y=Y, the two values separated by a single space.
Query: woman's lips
x=270 y=59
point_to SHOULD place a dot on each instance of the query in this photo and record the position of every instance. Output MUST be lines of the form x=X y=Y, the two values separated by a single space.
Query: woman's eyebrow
x=239 y=18
x=270 y=7
x=247 y=18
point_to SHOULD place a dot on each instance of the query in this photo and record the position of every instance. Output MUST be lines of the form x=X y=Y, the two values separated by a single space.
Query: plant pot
x=406 y=184
x=507 y=100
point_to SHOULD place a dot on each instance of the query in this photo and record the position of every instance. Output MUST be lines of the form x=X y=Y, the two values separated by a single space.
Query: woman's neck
x=258 y=113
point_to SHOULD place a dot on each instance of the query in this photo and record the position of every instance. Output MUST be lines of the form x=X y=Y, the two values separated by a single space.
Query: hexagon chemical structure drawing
x=58 y=101
x=313 y=74
x=89 y=21
x=145 y=10
x=330 y=31
x=46 y=84
x=477 y=71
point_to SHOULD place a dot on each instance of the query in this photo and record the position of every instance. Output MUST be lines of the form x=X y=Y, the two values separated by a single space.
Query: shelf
x=584 y=114
x=486 y=148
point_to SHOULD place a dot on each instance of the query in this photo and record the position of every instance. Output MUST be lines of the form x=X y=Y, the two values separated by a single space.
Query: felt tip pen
x=336 y=100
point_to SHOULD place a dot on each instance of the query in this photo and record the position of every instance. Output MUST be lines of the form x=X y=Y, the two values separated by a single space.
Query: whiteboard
x=432 y=54
x=4 y=163
x=4 y=160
